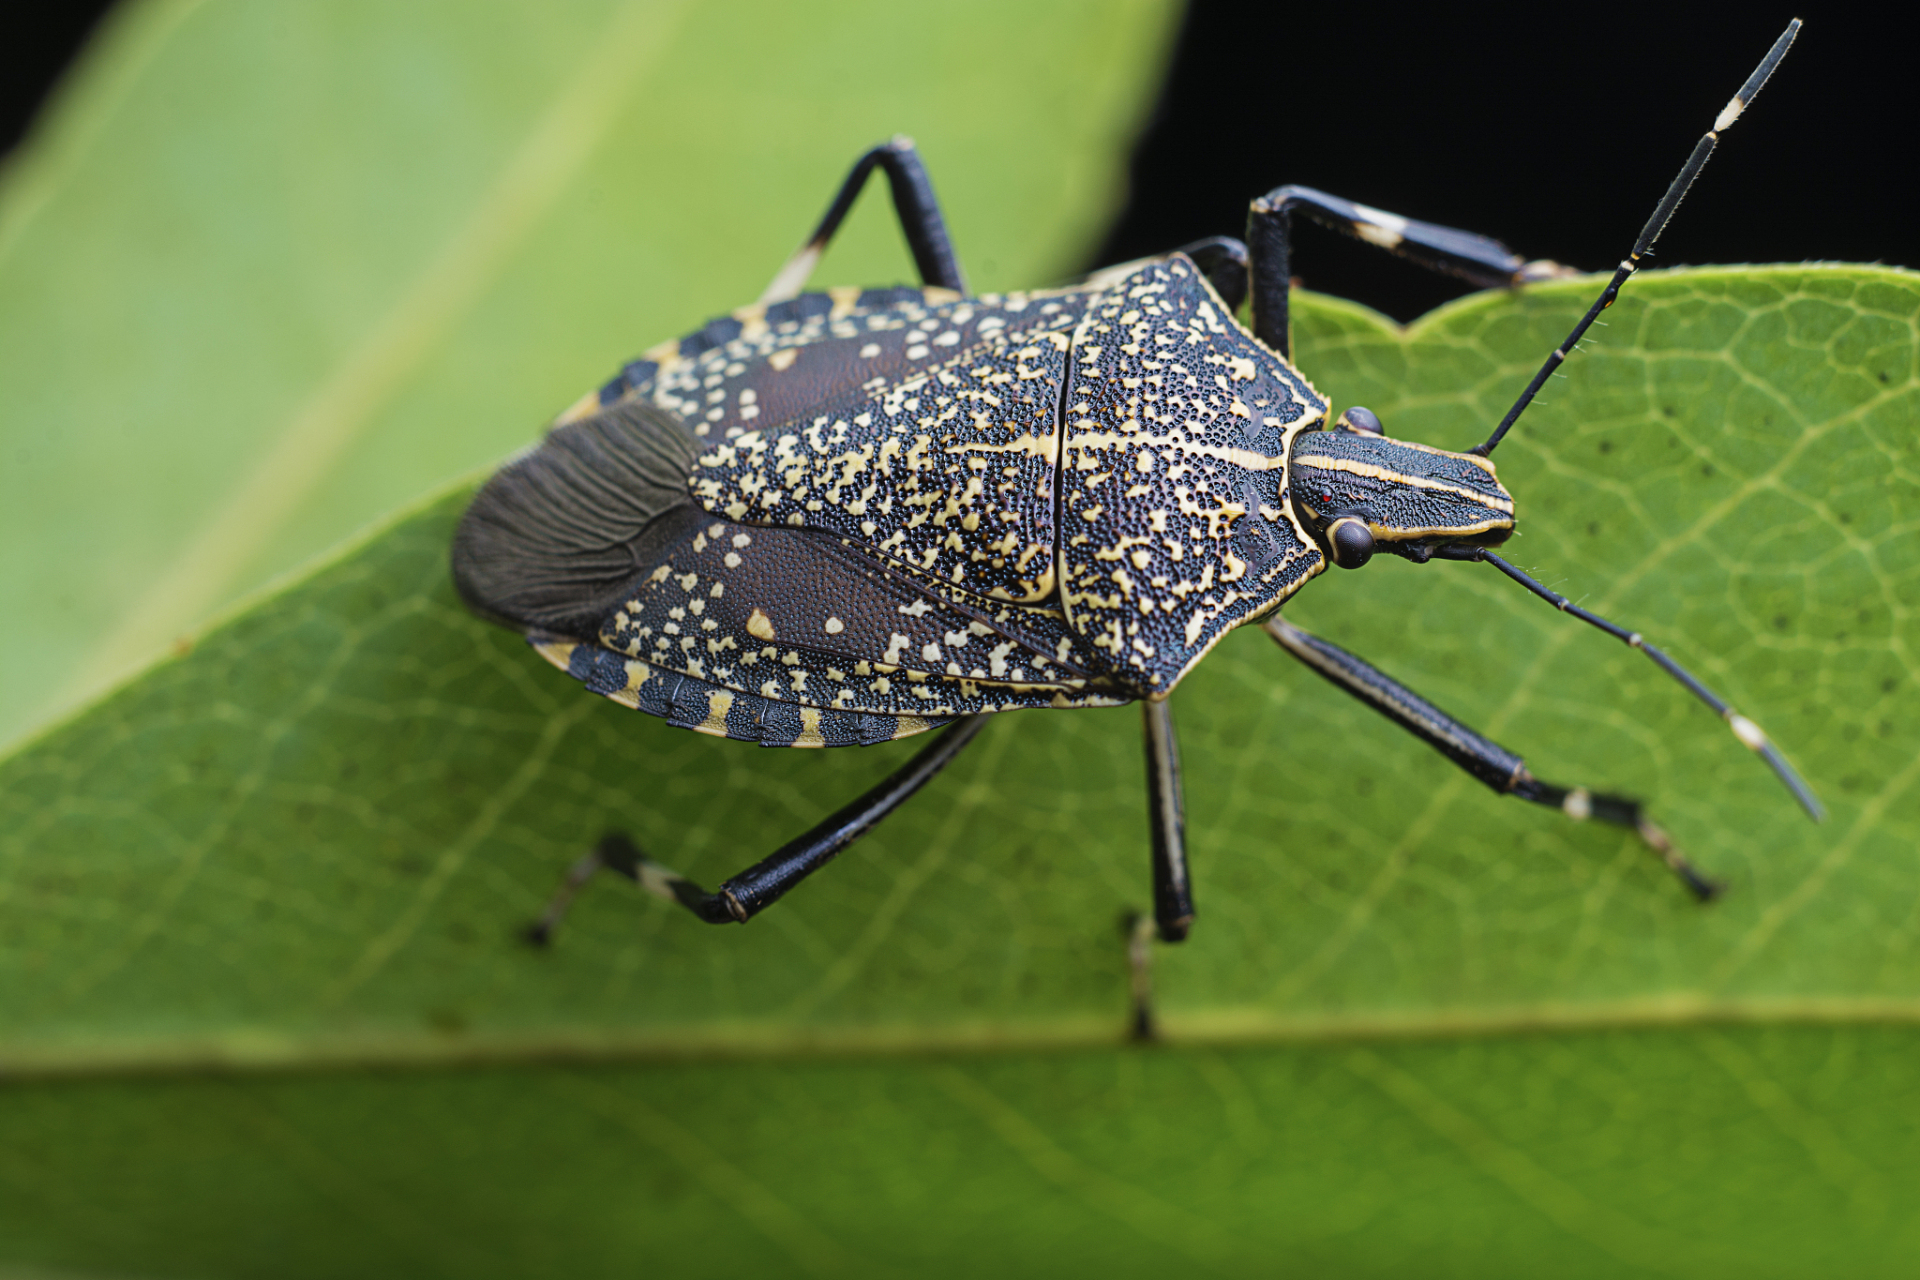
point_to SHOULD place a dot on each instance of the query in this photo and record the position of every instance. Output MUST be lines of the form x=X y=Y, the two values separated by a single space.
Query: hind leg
x=747 y=894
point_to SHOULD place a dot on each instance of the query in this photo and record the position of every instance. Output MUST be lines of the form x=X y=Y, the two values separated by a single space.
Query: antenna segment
x=1649 y=233
x=1750 y=734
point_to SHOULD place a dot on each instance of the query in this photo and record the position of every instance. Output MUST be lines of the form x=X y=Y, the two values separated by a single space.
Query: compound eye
x=1361 y=421
x=1352 y=542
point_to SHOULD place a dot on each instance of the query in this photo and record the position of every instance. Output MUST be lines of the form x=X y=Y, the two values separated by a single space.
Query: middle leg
x=1166 y=815
x=1172 y=888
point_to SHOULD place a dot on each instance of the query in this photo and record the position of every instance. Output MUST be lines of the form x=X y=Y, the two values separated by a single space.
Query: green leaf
x=271 y=271
x=261 y=994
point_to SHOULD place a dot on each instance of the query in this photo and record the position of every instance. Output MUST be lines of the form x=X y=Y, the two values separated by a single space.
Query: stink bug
x=842 y=518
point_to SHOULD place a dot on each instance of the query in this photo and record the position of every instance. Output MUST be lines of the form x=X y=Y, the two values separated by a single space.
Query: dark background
x=36 y=44
x=1553 y=128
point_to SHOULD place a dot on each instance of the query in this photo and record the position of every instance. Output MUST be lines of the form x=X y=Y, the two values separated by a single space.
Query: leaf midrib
x=255 y=1051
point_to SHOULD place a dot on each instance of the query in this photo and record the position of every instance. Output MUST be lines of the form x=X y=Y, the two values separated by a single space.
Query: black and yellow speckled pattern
x=689 y=703
x=1175 y=520
x=946 y=467
x=790 y=616
x=907 y=506
x=780 y=362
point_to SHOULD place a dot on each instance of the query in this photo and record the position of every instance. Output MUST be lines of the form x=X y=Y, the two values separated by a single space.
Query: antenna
x=1750 y=734
x=1649 y=233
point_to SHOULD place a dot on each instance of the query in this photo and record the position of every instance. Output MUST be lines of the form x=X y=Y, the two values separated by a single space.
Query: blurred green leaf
x=260 y=987
x=270 y=271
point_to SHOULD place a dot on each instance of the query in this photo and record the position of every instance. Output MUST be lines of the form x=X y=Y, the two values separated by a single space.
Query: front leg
x=1503 y=771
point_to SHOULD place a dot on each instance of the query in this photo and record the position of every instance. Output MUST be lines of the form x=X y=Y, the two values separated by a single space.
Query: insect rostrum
x=839 y=518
